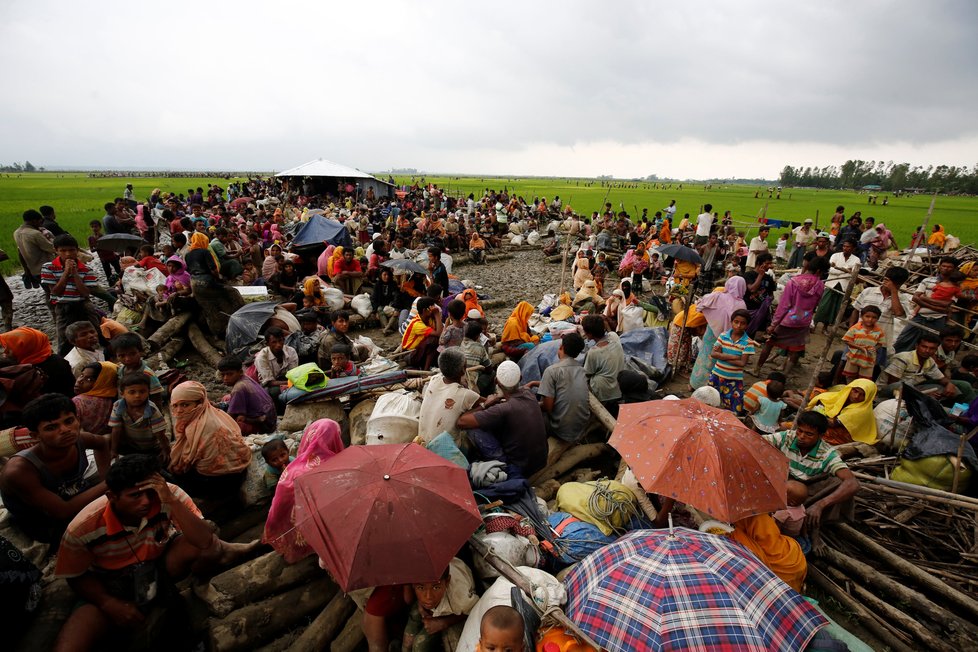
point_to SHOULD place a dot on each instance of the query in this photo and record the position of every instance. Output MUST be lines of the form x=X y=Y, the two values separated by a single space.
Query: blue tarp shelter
x=320 y=229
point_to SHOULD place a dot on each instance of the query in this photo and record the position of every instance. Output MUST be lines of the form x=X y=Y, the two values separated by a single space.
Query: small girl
x=731 y=352
x=600 y=272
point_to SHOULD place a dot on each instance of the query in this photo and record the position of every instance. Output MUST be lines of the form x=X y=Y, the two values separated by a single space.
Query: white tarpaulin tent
x=323 y=169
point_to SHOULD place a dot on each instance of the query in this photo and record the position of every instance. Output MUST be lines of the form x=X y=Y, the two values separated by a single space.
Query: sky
x=683 y=90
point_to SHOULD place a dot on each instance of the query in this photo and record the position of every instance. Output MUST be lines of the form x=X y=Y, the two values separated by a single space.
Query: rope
x=609 y=505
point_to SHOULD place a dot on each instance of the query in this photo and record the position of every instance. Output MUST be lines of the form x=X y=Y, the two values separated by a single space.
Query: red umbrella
x=386 y=514
x=702 y=456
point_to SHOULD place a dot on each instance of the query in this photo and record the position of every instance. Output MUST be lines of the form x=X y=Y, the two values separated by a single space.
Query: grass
x=78 y=199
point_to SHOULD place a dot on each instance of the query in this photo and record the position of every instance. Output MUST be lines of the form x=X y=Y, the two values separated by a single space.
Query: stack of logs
x=167 y=341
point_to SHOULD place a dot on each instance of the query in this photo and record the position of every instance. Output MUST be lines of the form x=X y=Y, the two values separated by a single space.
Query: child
x=108 y=258
x=440 y=605
x=70 y=283
x=249 y=274
x=128 y=350
x=310 y=335
x=274 y=360
x=501 y=630
x=84 y=340
x=768 y=413
x=148 y=259
x=137 y=425
x=864 y=339
x=822 y=383
x=948 y=289
x=276 y=456
x=342 y=366
x=731 y=352
x=453 y=333
x=791 y=520
x=781 y=250
x=600 y=271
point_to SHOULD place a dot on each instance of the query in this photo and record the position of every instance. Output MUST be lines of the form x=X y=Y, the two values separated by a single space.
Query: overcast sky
x=690 y=89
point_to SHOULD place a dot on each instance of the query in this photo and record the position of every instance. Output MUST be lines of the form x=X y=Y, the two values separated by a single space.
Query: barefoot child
x=732 y=350
x=864 y=339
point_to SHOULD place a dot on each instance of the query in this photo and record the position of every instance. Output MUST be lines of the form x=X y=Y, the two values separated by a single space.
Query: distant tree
x=28 y=167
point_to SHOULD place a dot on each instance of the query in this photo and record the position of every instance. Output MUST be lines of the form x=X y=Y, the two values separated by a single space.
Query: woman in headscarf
x=322 y=263
x=716 y=308
x=208 y=456
x=517 y=339
x=312 y=290
x=587 y=298
x=937 y=239
x=269 y=265
x=471 y=300
x=680 y=341
x=583 y=272
x=27 y=345
x=665 y=233
x=336 y=256
x=782 y=554
x=850 y=413
x=217 y=300
x=95 y=392
x=320 y=441
x=477 y=247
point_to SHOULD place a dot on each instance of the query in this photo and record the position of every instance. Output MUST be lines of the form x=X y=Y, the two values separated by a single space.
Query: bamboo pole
x=912 y=489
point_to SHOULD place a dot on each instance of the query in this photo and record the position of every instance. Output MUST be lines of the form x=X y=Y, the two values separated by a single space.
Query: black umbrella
x=680 y=252
x=404 y=266
x=245 y=324
x=120 y=242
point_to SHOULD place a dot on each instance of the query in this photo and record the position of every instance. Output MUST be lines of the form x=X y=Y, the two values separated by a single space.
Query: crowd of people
x=158 y=447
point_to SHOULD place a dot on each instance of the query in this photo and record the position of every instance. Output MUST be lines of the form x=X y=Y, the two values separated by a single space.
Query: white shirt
x=78 y=358
x=803 y=238
x=839 y=279
x=270 y=369
x=704 y=221
x=892 y=326
x=757 y=246
x=442 y=405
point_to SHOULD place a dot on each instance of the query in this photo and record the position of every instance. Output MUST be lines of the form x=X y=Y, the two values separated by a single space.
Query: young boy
x=731 y=352
x=248 y=403
x=864 y=339
x=949 y=288
x=437 y=609
x=128 y=350
x=781 y=250
x=273 y=361
x=276 y=456
x=148 y=260
x=768 y=413
x=137 y=425
x=600 y=272
x=85 y=349
x=791 y=520
x=342 y=366
x=108 y=258
x=453 y=333
x=476 y=355
x=71 y=283
x=501 y=630
x=310 y=335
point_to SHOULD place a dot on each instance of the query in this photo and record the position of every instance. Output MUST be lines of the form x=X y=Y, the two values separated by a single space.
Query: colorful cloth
x=798 y=301
x=51 y=273
x=517 y=327
x=780 y=553
x=703 y=367
x=415 y=333
x=717 y=307
x=752 y=397
x=729 y=346
x=858 y=418
x=731 y=392
x=863 y=343
x=26 y=345
x=320 y=441
x=207 y=439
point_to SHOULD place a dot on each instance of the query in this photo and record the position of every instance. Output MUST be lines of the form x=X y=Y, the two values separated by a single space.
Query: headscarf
x=517 y=327
x=207 y=439
x=320 y=441
x=695 y=319
x=471 y=300
x=583 y=272
x=968 y=283
x=938 y=237
x=26 y=345
x=665 y=234
x=107 y=383
x=331 y=263
x=199 y=240
x=312 y=288
x=883 y=237
x=588 y=292
x=780 y=553
x=718 y=306
x=182 y=277
x=858 y=418
x=322 y=263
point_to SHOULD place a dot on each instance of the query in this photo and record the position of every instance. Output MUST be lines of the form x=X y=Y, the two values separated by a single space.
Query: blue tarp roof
x=319 y=229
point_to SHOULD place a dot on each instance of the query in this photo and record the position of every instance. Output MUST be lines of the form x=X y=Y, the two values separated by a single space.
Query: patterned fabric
x=686 y=591
x=819 y=461
x=752 y=397
x=731 y=393
x=728 y=346
x=142 y=434
x=862 y=343
x=51 y=273
x=908 y=368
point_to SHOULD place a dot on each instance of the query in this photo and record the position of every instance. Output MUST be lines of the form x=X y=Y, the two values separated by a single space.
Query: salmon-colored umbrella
x=702 y=456
x=386 y=514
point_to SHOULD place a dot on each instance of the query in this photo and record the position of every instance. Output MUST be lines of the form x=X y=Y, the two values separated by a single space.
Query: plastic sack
x=560 y=328
x=575 y=498
x=576 y=539
x=936 y=472
x=142 y=280
x=517 y=241
x=394 y=419
x=515 y=549
x=549 y=301
x=334 y=298
x=361 y=304
x=364 y=347
x=631 y=318
x=533 y=238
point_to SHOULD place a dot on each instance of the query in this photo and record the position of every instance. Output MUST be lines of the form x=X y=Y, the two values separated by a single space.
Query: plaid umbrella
x=686 y=590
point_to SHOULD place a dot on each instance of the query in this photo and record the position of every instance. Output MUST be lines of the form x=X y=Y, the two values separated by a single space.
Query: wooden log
x=168 y=330
x=350 y=638
x=255 y=580
x=901 y=594
x=166 y=353
x=282 y=643
x=931 y=499
x=601 y=413
x=326 y=625
x=250 y=626
x=204 y=348
x=866 y=619
x=245 y=520
x=891 y=613
x=911 y=489
x=923 y=579
x=570 y=459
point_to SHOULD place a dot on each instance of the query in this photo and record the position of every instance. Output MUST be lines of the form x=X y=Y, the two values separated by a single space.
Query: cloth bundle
x=484 y=474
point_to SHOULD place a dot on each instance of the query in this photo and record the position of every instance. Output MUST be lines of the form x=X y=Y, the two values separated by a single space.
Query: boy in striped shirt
x=70 y=283
x=731 y=352
x=864 y=339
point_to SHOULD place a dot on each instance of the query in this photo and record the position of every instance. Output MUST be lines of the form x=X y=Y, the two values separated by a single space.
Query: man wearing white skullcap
x=509 y=427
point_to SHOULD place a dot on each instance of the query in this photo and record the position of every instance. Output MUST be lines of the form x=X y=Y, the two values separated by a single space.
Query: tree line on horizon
x=889 y=176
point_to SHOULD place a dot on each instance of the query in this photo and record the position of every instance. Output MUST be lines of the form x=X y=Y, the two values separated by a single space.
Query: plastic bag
x=334 y=298
x=142 y=280
x=533 y=238
x=394 y=419
x=631 y=318
x=517 y=241
x=515 y=549
x=361 y=304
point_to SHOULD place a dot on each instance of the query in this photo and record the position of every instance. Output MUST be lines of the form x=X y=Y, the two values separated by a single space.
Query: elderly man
x=817 y=464
x=509 y=426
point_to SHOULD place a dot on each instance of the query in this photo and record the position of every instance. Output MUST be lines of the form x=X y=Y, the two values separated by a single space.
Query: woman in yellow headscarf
x=780 y=553
x=517 y=339
x=937 y=238
x=680 y=342
x=850 y=412
x=331 y=263
x=471 y=300
x=200 y=241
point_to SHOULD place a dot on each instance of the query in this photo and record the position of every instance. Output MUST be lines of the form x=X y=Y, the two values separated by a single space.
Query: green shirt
x=820 y=461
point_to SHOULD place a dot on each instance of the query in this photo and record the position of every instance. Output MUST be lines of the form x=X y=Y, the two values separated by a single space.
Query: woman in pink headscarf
x=320 y=441
x=717 y=308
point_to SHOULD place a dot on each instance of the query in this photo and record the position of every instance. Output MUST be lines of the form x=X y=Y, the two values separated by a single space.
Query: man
x=70 y=284
x=761 y=287
x=563 y=393
x=249 y=404
x=930 y=313
x=338 y=334
x=45 y=486
x=123 y=552
x=917 y=368
x=437 y=270
x=445 y=398
x=894 y=305
x=757 y=246
x=347 y=273
x=704 y=222
x=50 y=221
x=509 y=426
x=804 y=235
x=841 y=266
x=35 y=250
x=852 y=231
x=817 y=464
x=951 y=340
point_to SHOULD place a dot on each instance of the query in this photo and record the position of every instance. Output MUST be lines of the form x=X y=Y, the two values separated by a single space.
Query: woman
x=850 y=413
x=880 y=244
x=312 y=290
x=587 y=298
x=95 y=392
x=208 y=456
x=27 y=345
x=937 y=239
x=780 y=553
x=322 y=262
x=789 y=329
x=716 y=308
x=477 y=247
x=320 y=441
x=471 y=300
x=517 y=339
x=680 y=341
x=331 y=263
x=269 y=265
x=583 y=271
x=217 y=300
x=286 y=281
x=384 y=299
x=665 y=233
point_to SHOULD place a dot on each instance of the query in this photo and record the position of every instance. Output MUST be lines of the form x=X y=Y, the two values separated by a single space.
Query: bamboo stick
x=917 y=489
